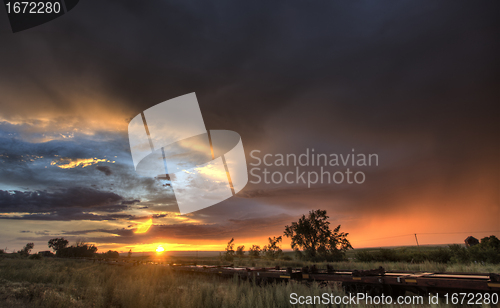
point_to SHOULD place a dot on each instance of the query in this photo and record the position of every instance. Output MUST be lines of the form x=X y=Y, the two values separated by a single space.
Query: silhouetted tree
x=229 y=255
x=488 y=250
x=240 y=251
x=111 y=254
x=58 y=243
x=254 y=251
x=272 y=250
x=491 y=242
x=313 y=236
x=81 y=250
x=26 y=249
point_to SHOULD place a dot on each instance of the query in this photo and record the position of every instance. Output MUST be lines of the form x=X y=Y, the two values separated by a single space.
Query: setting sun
x=160 y=249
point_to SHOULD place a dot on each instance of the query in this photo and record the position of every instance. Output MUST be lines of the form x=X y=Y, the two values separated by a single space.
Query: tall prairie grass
x=71 y=283
x=77 y=283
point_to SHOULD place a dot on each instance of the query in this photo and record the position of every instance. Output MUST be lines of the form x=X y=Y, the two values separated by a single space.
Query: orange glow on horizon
x=383 y=238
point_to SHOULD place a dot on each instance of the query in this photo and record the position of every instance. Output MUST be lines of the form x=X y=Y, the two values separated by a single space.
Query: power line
x=412 y=234
x=384 y=238
x=460 y=232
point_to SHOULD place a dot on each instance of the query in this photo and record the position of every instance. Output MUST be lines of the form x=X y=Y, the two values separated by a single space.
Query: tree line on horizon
x=60 y=246
x=311 y=240
x=486 y=251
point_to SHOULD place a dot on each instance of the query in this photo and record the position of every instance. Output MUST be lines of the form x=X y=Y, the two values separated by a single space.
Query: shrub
x=35 y=257
x=110 y=254
x=459 y=254
x=364 y=256
x=442 y=255
x=487 y=251
x=80 y=251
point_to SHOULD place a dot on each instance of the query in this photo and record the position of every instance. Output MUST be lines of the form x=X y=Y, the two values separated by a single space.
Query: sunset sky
x=416 y=83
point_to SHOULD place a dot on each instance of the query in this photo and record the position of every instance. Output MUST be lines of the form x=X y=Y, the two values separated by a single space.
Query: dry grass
x=72 y=283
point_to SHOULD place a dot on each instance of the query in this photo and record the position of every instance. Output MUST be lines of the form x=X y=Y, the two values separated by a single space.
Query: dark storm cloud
x=130 y=201
x=77 y=147
x=43 y=201
x=324 y=72
x=120 y=232
x=104 y=169
x=261 y=56
x=68 y=215
x=153 y=216
x=45 y=232
x=29 y=166
x=415 y=82
x=64 y=204
x=29 y=163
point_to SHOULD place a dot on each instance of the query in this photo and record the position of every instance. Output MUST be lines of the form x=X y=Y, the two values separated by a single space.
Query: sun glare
x=143 y=228
x=160 y=249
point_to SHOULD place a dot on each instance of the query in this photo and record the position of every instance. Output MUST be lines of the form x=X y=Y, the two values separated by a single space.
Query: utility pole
x=417 y=242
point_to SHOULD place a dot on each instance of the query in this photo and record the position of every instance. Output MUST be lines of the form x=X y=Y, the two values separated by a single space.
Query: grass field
x=73 y=283
x=52 y=282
